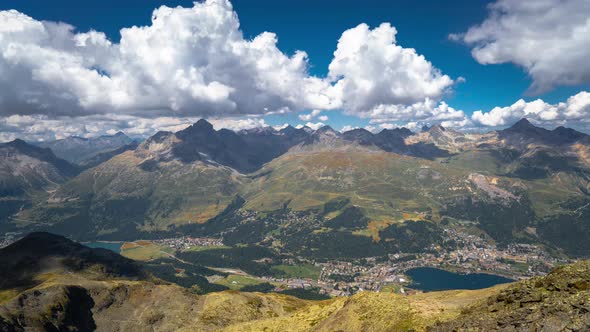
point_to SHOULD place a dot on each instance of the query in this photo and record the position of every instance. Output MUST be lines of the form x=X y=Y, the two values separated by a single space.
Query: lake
x=112 y=246
x=431 y=279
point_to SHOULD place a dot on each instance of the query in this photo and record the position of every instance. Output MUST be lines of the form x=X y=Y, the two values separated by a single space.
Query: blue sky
x=316 y=26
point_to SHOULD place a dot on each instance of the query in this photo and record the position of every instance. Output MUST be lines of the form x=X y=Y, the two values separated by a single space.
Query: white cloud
x=314 y=126
x=43 y=128
x=550 y=39
x=348 y=128
x=370 y=70
x=424 y=111
x=188 y=62
x=280 y=127
x=238 y=124
x=372 y=129
x=388 y=126
x=309 y=116
x=192 y=63
x=574 y=112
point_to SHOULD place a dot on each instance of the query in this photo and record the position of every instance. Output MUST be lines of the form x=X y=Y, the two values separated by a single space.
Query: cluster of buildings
x=475 y=253
x=185 y=242
x=472 y=254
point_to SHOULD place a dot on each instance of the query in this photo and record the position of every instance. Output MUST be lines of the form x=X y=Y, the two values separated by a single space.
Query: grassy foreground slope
x=368 y=311
x=73 y=288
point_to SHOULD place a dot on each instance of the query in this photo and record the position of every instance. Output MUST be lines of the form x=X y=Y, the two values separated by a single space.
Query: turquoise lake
x=112 y=246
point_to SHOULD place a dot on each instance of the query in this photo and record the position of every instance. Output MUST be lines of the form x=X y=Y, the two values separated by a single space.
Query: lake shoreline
x=430 y=279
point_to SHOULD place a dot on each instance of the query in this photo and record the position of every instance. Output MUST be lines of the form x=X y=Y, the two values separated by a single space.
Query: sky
x=94 y=67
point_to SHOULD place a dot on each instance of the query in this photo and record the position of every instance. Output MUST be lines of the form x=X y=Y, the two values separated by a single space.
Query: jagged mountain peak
x=307 y=129
x=358 y=131
x=44 y=154
x=403 y=132
x=202 y=123
x=17 y=143
x=531 y=133
x=201 y=126
x=569 y=133
x=78 y=149
x=327 y=131
x=436 y=127
x=523 y=123
x=525 y=127
x=288 y=128
x=360 y=135
x=120 y=134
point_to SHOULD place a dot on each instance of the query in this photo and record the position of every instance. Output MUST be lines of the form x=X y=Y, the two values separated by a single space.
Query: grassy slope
x=387 y=185
x=140 y=305
x=145 y=251
x=383 y=184
x=237 y=282
x=143 y=305
x=369 y=311
x=120 y=191
x=300 y=271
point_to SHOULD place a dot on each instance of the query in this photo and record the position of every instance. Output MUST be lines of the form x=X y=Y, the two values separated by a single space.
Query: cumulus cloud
x=188 y=62
x=370 y=70
x=238 y=124
x=424 y=111
x=550 y=39
x=347 y=128
x=192 y=63
x=280 y=127
x=309 y=116
x=39 y=127
x=43 y=128
x=372 y=129
x=313 y=126
x=574 y=112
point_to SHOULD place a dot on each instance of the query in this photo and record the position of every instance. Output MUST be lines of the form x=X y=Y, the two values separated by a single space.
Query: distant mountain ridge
x=532 y=134
x=26 y=170
x=539 y=191
x=32 y=166
x=77 y=149
x=247 y=150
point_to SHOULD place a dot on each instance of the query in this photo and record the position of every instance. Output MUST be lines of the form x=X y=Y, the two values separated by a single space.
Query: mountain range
x=377 y=193
x=78 y=149
x=50 y=283
x=26 y=170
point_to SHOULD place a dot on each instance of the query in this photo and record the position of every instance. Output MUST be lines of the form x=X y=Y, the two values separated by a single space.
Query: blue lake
x=112 y=246
x=431 y=279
